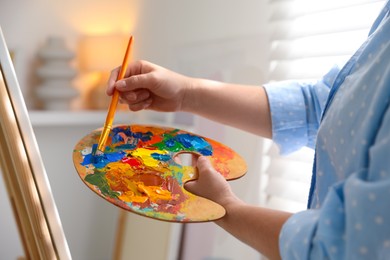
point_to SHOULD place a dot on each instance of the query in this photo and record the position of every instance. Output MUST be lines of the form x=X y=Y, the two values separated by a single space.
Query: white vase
x=56 y=90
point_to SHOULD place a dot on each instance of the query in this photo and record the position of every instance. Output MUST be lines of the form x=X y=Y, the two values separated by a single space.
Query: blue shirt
x=346 y=116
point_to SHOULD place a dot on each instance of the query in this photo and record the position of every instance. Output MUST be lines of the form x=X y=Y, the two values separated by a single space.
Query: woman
x=345 y=116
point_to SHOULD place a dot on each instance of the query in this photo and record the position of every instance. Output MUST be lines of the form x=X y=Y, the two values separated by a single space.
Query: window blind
x=307 y=38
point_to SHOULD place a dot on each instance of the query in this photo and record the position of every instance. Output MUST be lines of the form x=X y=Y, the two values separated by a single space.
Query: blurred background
x=63 y=53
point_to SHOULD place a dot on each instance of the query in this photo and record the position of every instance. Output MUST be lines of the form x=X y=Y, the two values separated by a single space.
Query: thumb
x=204 y=166
x=210 y=184
x=203 y=169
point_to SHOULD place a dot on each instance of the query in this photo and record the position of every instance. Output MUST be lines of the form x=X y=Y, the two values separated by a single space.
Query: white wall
x=159 y=27
x=27 y=24
x=192 y=37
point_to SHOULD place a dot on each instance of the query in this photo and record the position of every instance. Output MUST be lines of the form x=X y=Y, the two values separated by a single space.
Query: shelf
x=96 y=118
x=61 y=118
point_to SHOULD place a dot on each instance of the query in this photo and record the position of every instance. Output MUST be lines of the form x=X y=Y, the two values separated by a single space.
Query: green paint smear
x=98 y=179
x=169 y=142
x=176 y=147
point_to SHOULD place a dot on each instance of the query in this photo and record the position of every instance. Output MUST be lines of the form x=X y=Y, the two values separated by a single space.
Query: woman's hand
x=256 y=226
x=148 y=86
x=211 y=184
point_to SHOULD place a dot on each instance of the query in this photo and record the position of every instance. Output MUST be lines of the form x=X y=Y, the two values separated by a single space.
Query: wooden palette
x=139 y=171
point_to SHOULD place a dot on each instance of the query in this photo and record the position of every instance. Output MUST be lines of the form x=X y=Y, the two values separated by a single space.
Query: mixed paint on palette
x=140 y=172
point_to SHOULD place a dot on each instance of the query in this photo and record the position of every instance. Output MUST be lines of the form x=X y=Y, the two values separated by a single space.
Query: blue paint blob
x=185 y=140
x=134 y=137
x=146 y=136
x=115 y=134
x=161 y=157
x=113 y=157
x=87 y=159
x=170 y=142
x=137 y=135
x=100 y=161
x=207 y=151
x=116 y=139
x=192 y=141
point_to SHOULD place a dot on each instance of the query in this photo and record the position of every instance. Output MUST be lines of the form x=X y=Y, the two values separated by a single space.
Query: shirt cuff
x=288 y=115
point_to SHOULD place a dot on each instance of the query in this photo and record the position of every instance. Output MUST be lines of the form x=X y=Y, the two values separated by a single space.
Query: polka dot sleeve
x=354 y=220
x=296 y=109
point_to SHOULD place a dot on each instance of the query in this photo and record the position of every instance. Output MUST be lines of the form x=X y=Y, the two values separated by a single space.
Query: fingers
x=135 y=74
x=135 y=96
x=136 y=100
x=135 y=84
x=141 y=105
x=111 y=81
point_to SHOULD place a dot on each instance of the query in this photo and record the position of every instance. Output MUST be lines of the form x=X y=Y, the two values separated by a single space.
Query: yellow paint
x=155 y=193
x=129 y=196
x=119 y=175
x=186 y=171
x=146 y=156
x=120 y=167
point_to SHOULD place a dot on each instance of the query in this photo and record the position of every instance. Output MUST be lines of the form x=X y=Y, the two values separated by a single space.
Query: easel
x=26 y=181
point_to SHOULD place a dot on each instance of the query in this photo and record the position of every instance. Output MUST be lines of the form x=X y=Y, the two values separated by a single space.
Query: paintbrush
x=99 y=149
